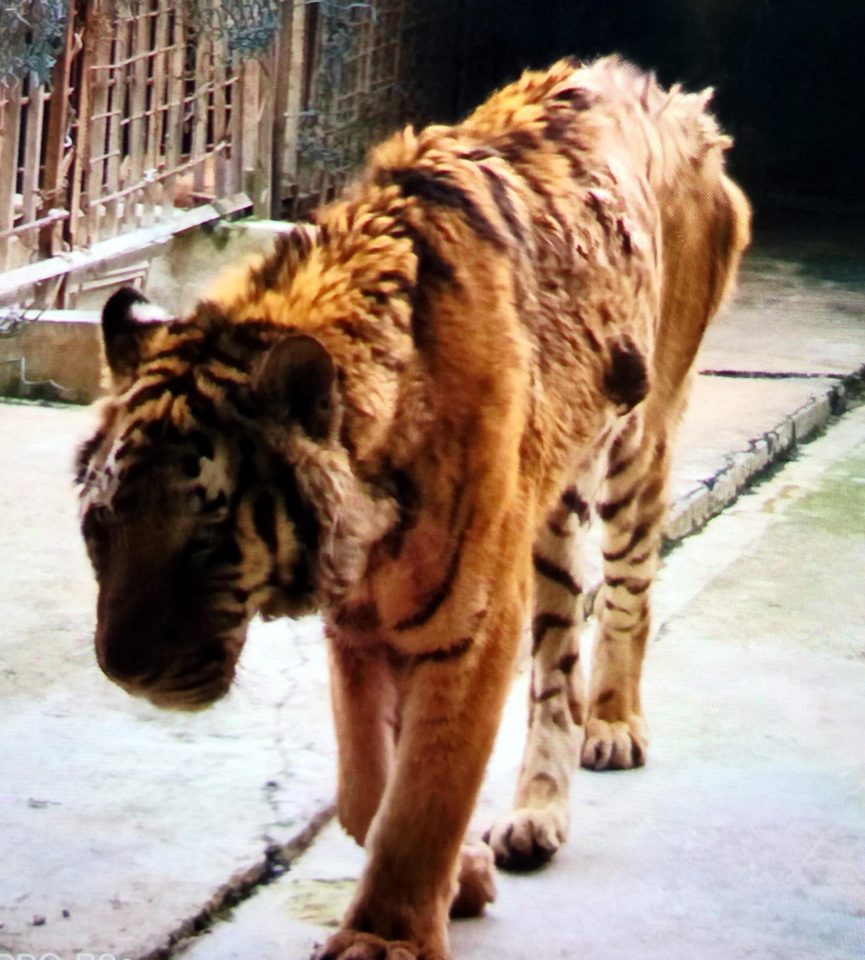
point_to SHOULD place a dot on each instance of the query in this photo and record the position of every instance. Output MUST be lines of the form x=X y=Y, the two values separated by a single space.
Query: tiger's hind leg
x=538 y=825
x=632 y=510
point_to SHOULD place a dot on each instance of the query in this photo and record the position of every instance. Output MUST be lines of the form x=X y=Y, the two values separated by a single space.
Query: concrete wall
x=56 y=355
x=52 y=359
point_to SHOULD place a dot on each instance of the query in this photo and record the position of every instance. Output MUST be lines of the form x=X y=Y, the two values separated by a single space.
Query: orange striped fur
x=406 y=417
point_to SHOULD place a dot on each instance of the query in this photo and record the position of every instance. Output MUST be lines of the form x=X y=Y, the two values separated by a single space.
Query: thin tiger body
x=406 y=417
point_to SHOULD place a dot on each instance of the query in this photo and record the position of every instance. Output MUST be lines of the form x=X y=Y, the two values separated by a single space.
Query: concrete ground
x=123 y=829
x=744 y=836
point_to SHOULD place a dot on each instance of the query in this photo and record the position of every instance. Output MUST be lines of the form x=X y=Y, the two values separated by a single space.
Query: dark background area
x=789 y=75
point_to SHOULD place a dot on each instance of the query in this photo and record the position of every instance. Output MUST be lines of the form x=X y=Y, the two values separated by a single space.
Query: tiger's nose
x=124 y=660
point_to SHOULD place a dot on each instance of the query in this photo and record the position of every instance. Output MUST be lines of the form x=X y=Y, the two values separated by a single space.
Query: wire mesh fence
x=31 y=34
x=116 y=115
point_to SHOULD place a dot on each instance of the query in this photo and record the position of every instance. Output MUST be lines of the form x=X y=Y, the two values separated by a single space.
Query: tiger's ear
x=128 y=320
x=297 y=383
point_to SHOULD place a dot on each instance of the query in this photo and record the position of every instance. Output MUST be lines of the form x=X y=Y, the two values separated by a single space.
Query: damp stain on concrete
x=322 y=902
x=837 y=506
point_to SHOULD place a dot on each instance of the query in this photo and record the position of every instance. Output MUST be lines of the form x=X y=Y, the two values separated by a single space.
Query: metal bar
x=54 y=216
x=10 y=125
x=153 y=117
x=31 y=199
x=137 y=104
x=174 y=93
x=78 y=222
x=114 y=168
x=15 y=284
x=164 y=175
x=97 y=155
x=203 y=87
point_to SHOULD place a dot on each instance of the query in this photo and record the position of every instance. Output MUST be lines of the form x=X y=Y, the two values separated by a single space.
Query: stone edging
x=690 y=512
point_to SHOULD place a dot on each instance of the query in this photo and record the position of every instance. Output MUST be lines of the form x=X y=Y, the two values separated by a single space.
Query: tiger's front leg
x=452 y=703
x=366 y=716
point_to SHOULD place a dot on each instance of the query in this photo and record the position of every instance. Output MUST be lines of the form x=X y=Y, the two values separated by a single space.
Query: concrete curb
x=690 y=512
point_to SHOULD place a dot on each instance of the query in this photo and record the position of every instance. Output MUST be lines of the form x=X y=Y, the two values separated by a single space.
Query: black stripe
x=439 y=593
x=266 y=276
x=636 y=587
x=576 y=504
x=152 y=392
x=500 y=192
x=224 y=383
x=433 y=271
x=544 y=622
x=129 y=473
x=183 y=386
x=612 y=606
x=547 y=694
x=567 y=663
x=431 y=264
x=184 y=352
x=453 y=652
x=228 y=619
x=606 y=511
x=85 y=452
x=358 y=616
x=217 y=355
x=399 y=485
x=577 y=97
x=558 y=126
x=160 y=371
x=552 y=571
x=592 y=340
x=556 y=530
x=437 y=188
x=619 y=468
x=639 y=533
x=576 y=165
x=516 y=144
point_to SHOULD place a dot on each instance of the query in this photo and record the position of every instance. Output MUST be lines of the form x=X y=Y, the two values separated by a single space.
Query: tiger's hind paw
x=476 y=879
x=614 y=745
x=527 y=838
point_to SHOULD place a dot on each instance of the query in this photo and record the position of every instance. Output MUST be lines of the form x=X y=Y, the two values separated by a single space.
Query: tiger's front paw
x=353 y=945
x=614 y=745
x=528 y=837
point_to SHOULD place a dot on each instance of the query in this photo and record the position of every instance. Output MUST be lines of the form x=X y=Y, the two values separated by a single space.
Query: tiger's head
x=214 y=488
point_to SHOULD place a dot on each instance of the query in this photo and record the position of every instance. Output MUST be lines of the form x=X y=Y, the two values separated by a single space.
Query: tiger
x=405 y=418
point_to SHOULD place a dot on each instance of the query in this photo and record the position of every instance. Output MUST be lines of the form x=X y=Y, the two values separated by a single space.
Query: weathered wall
x=51 y=359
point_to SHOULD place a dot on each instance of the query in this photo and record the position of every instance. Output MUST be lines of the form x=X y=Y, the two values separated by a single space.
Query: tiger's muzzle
x=181 y=670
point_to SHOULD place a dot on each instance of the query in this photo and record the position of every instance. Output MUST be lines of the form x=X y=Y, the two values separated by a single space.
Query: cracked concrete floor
x=120 y=825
